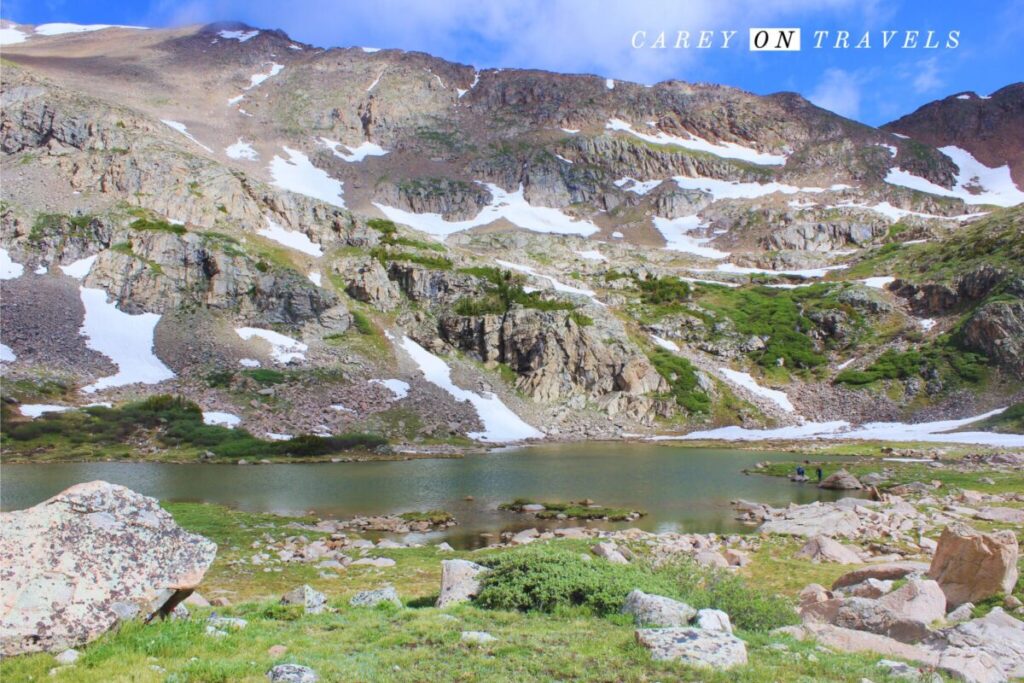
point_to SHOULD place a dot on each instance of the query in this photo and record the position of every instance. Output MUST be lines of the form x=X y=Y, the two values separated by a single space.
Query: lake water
x=681 y=488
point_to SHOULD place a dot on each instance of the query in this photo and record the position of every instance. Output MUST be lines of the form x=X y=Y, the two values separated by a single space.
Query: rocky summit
x=341 y=249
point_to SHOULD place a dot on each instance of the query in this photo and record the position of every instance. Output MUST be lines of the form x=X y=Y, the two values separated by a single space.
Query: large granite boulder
x=694 y=647
x=824 y=549
x=841 y=480
x=889 y=571
x=971 y=566
x=904 y=615
x=96 y=553
x=460 y=581
x=997 y=634
x=657 y=610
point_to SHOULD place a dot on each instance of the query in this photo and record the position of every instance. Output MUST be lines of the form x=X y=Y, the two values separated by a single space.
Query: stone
x=904 y=615
x=961 y=613
x=610 y=552
x=841 y=480
x=824 y=549
x=69 y=656
x=277 y=650
x=814 y=593
x=889 y=571
x=312 y=601
x=899 y=669
x=460 y=581
x=524 y=537
x=657 y=610
x=921 y=600
x=710 y=558
x=379 y=562
x=694 y=647
x=975 y=667
x=76 y=564
x=812 y=520
x=872 y=588
x=736 y=558
x=998 y=514
x=385 y=595
x=226 y=623
x=292 y=673
x=533 y=507
x=971 y=566
x=714 y=620
x=477 y=637
x=444 y=547
x=850 y=640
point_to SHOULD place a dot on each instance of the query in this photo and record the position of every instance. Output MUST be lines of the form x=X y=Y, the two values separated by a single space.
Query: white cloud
x=926 y=78
x=838 y=91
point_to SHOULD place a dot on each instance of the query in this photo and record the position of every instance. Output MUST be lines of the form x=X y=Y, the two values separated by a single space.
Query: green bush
x=266 y=375
x=503 y=289
x=157 y=224
x=551 y=578
x=682 y=376
x=581 y=319
x=663 y=290
x=362 y=323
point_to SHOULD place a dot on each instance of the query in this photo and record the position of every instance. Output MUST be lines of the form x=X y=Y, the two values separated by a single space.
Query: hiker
x=819 y=473
x=801 y=472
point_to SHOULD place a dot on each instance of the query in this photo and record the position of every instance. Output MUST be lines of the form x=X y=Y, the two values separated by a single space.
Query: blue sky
x=593 y=36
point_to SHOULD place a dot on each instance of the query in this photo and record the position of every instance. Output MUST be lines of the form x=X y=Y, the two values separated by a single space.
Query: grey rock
x=460 y=581
x=387 y=594
x=292 y=673
x=657 y=610
x=694 y=647
x=312 y=601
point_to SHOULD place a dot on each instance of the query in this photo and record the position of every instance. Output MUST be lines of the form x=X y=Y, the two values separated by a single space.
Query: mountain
x=990 y=127
x=309 y=241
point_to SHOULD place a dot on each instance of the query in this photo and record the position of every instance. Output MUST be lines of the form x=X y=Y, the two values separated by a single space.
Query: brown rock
x=841 y=480
x=824 y=549
x=971 y=566
x=882 y=572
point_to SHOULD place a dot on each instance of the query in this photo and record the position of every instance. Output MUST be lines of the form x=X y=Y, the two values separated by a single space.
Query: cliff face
x=599 y=258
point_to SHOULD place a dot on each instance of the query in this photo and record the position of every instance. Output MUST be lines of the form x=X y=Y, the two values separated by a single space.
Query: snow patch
x=804 y=273
x=609 y=83
x=11 y=36
x=640 y=187
x=181 y=128
x=292 y=239
x=571 y=131
x=297 y=174
x=127 y=340
x=878 y=282
x=242 y=150
x=370 y=50
x=729 y=150
x=591 y=255
x=558 y=286
x=7 y=354
x=315 y=279
x=283 y=348
x=365 y=149
x=500 y=423
x=278 y=437
x=728 y=189
x=34 y=410
x=933 y=432
x=257 y=79
x=397 y=387
x=675 y=231
x=61 y=28
x=240 y=36
x=9 y=270
x=746 y=381
x=214 y=417
x=508 y=205
x=666 y=344
x=927 y=323
x=80 y=268
x=249 y=362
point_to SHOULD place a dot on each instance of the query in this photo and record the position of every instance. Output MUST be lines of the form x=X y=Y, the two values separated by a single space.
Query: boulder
x=961 y=613
x=904 y=614
x=387 y=594
x=872 y=588
x=460 y=581
x=75 y=564
x=477 y=637
x=824 y=549
x=69 y=656
x=694 y=647
x=890 y=571
x=656 y=610
x=997 y=634
x=292 y=673
x=841 y=480
x=312 y=601
x=524 y=537
x=814 y=520
x=714 y=620
x=736 y=558
x=971 y=566
x=850 y=640
x=974 y=667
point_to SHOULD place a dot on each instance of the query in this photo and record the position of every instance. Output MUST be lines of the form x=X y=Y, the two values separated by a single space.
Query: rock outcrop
x=94 y=554
x=657 y=610
x=460 y=581
x=694 y=647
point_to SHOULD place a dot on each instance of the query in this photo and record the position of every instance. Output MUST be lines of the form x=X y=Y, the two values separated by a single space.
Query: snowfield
x=292 y=239
x=298 y=174
x=397 y=387
x=932 y=432
x=366 y=149
x=666 y=344
x=555 y=284
x=501 y=425
x=508 y=205
x=283 y=348
x=675 y=231
x=240 y=36
x=992 y=185
x=256 y=79
x=728 y=189
x=640 y=187
x=9 y=270
x=61 y=28
x=746 y=381
x=12 y=36
x=34 y=410
x=127 y=340
x=878 y=282
x=7 y=354
x=729 y=150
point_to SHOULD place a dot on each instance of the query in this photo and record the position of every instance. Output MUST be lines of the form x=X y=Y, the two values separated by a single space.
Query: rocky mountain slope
x=317 y=242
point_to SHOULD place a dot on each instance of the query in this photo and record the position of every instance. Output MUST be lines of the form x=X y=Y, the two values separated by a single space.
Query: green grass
x=157 y=225
x=1009 y=421
x=434 y=517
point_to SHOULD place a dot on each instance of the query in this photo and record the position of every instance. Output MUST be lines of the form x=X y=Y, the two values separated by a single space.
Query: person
x=800 y=471
x=819 y=473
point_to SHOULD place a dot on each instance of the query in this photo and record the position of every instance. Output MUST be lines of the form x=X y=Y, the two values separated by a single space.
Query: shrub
x=663 y=290
x=265 y=375
x=432 y=516
x=682 y=376
x=157 y=224
x=362 y=323
x=581 y=319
